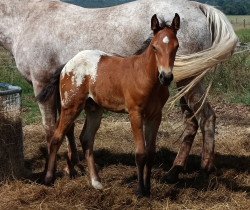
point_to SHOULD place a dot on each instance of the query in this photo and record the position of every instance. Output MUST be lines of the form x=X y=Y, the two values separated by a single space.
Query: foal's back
x=104 y=78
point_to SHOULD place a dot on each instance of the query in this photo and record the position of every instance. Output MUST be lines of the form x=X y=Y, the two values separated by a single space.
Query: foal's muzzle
x=166 y=78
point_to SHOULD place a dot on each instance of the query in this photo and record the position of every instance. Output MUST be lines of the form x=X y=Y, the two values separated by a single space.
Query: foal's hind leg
x=92 y=123
x=206 y=120
x=73 y=157
x=66 y=119
x=151 y=129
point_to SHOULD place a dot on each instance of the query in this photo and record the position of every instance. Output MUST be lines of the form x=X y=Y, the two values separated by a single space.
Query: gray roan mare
x=44 y=35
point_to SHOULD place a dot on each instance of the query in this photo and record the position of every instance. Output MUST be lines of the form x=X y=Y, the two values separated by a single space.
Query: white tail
x=198 y=64
x=224 y=42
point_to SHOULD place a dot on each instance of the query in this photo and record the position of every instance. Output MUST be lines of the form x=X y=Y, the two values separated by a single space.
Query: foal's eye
x=154 y=48
x=177 y=46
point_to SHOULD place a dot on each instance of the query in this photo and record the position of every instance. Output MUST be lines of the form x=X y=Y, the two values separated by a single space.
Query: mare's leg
x=151 y=129
x=48 y=112
x=92 y=124
x=66 y=119
x=140 y=150
x=206 y=120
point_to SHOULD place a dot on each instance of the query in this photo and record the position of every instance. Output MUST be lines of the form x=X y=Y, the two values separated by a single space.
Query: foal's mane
x=146 y=43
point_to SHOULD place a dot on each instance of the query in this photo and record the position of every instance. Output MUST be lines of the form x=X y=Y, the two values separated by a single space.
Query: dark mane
x=146 y=43
x=164 y=24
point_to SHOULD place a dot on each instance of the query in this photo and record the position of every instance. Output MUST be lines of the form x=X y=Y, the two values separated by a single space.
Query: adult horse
x=44 y=35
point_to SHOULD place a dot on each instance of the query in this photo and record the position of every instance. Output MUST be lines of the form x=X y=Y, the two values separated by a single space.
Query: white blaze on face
x=83 y=64
x=165 y=40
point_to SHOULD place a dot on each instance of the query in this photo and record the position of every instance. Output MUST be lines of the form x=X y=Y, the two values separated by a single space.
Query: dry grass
x=228 y=188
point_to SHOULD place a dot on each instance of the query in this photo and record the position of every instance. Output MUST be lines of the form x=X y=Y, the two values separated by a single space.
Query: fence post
x=244 y=23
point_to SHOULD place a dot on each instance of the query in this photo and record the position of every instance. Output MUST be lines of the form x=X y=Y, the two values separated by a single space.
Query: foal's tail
x=50 y=87
x=223 y=40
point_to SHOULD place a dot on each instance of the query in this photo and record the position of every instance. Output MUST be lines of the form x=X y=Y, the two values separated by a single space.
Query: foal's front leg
x=151 y=129
x=140 y=151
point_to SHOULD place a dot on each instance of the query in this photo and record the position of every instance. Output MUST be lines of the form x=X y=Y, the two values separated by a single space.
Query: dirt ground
x=227 y=188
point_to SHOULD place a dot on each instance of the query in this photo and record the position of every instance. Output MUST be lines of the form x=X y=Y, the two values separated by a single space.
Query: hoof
x=140 y=193
x=171 y=176
x=49 y=180
x=97 y=185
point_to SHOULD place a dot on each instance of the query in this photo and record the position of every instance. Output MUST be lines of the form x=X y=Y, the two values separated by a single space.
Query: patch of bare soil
x=228 y=188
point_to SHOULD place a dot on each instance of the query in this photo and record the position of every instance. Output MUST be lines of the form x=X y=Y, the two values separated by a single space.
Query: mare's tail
x=50 y=87
x=196 y=65
x=223 y=40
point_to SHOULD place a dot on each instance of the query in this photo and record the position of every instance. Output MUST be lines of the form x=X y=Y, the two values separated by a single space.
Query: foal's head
x=165 y=45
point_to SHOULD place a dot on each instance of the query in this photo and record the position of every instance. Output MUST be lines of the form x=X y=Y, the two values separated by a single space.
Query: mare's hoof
x=171 y=176
x=96 y=184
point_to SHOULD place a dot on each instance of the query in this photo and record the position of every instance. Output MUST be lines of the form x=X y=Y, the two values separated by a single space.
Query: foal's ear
x=155 y=26
x=176 y=23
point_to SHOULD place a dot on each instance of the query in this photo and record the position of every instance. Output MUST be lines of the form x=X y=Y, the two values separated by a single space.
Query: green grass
x=244 y=35
x=232 y=80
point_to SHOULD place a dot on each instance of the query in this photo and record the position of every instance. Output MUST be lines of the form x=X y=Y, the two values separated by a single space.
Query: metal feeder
x=11 y=133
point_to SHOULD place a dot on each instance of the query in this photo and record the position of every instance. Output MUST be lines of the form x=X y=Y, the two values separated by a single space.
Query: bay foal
x=137 y=85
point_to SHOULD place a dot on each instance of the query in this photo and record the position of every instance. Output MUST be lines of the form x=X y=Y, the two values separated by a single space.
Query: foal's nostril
x=161 y=76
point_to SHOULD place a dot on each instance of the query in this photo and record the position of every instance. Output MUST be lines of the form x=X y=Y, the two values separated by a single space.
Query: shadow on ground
x=192 y=178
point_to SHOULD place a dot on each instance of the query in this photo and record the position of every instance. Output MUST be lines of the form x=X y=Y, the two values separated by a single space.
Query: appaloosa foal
x=137 y=85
